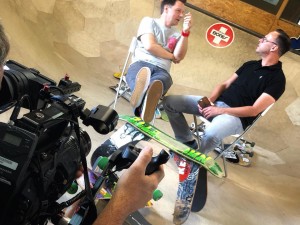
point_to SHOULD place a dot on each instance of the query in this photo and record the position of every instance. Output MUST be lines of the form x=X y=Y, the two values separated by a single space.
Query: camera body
x=20 y=80
x=41 y=152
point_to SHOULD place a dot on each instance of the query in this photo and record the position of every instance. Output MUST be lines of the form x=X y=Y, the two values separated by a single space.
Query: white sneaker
x=152 y=97
x=141 y=86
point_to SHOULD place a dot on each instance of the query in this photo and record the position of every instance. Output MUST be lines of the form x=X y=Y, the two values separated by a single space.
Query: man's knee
x=211 y=137
x=165 y=102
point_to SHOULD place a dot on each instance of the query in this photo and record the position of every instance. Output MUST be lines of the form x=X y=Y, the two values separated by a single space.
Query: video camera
x=41 y=152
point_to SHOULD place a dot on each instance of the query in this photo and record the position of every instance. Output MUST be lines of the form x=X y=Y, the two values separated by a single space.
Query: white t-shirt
x=166 y=37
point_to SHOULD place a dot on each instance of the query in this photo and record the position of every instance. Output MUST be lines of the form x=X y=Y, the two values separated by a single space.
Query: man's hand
x=175 y=61
x=133 y=190
x=187 y=22
x=210 y=111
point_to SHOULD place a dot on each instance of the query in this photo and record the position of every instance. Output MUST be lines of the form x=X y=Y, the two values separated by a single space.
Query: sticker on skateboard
x=152 y=132
x=192 y=189
x=124 y=135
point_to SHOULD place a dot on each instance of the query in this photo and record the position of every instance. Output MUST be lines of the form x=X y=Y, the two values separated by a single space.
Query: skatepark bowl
x=89 y=41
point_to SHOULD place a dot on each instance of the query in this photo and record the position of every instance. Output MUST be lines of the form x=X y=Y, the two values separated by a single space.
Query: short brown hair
x=283 y=41
x=169 y=2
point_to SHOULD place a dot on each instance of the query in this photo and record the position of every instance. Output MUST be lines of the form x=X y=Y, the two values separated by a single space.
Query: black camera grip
x=156 y=161
x=130 y=153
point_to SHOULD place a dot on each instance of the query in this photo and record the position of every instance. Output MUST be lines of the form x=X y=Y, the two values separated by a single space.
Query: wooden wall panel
x=293 y=30
x=245 y=15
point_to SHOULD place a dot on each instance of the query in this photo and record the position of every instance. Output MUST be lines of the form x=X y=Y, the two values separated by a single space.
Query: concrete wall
x=83 y=37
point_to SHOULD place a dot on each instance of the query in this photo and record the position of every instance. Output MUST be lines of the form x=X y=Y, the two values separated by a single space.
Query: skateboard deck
x=200 y=194
x=123 y=136
x=175 y=146
x=192 y=165
x=192 y=188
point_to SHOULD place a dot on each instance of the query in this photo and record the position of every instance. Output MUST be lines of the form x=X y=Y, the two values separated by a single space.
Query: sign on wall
x=220 y=35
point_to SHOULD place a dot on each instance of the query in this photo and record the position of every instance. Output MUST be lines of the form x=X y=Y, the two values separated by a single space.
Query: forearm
x=159 y=51
x=218 y=90
x=113 y=214
x=182 y=44
x=181 y=48
x=264 y=101
x=245 y=111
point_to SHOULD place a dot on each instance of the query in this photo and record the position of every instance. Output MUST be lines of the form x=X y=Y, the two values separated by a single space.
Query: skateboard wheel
x=157 y=194
x=73 y=189
x=192 y=127
x=103 y=161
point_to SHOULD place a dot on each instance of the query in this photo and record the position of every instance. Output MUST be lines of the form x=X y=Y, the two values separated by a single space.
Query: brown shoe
x=141 y=86
x=152 y=97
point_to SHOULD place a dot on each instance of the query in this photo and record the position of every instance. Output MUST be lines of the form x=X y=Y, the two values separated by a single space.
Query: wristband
x=185 y=34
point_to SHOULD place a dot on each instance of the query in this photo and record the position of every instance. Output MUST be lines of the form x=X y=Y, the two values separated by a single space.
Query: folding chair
x=224 y=148
x=122 y=88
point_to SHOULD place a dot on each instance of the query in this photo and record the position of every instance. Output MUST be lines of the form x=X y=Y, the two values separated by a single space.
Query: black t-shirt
x=253 y=80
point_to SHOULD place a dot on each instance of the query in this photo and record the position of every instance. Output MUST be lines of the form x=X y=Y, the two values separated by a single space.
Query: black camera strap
x=89 y=200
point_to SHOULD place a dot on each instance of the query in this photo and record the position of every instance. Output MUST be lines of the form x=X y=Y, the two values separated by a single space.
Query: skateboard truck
x=240 y=153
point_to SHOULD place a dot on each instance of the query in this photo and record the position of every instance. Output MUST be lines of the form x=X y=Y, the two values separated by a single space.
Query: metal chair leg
x=196 y=129
x=130 y=52
x=224 y=161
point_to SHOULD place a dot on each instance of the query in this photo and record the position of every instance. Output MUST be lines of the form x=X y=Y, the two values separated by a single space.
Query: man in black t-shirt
x=237 y=101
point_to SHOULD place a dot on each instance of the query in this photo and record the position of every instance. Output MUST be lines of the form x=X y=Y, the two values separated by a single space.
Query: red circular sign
x=219 y=35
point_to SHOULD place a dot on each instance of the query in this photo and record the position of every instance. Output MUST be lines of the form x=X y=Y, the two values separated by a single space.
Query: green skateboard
x=181 y=149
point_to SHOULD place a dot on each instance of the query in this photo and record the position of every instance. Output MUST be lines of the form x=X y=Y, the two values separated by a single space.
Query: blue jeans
x=157 y=73
x=221 y=126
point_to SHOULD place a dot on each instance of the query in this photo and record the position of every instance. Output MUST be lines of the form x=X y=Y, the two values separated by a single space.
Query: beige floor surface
x=264 y=193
